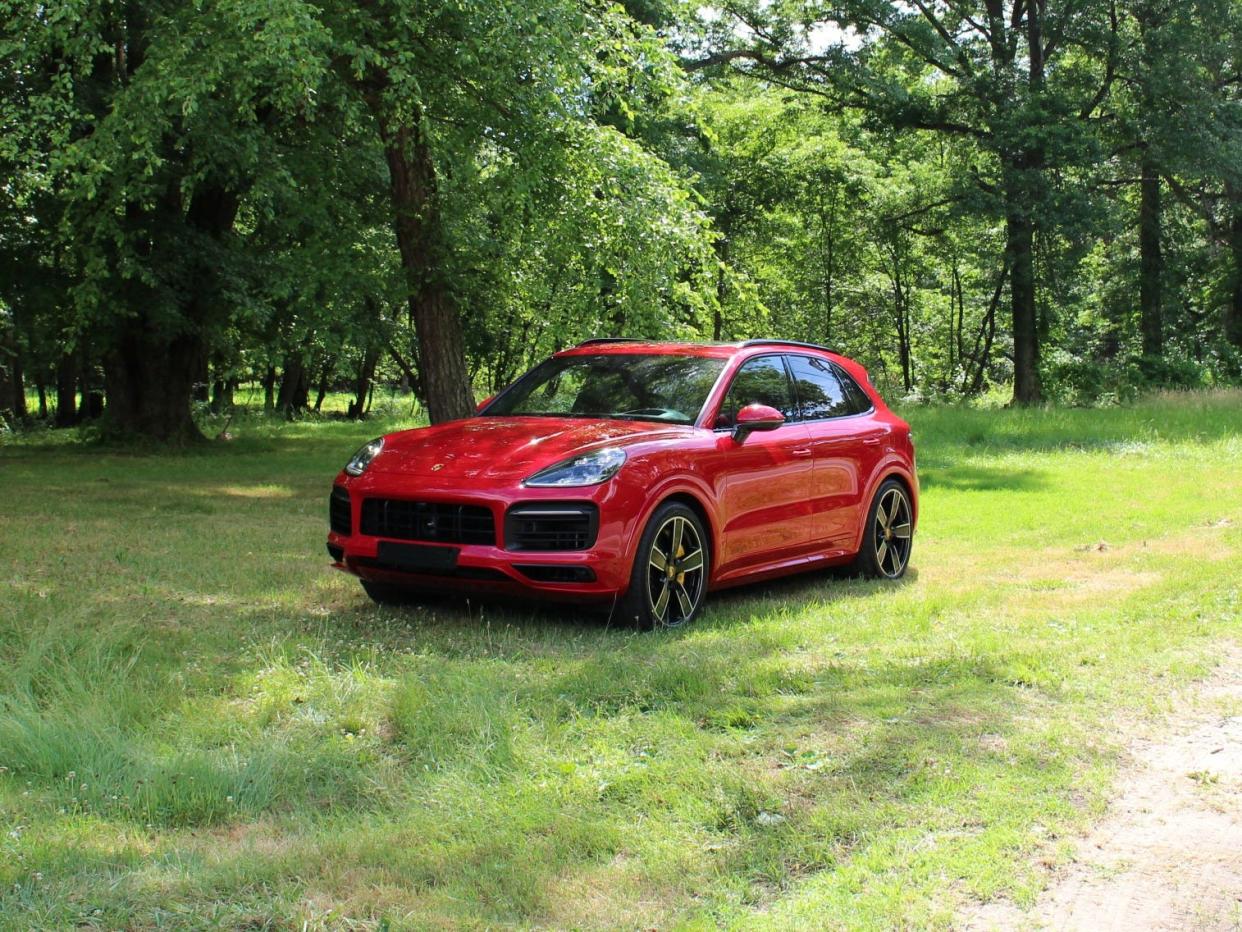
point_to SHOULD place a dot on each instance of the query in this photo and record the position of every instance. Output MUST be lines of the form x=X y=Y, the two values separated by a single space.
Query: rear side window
x=858 y=400
x=759 y=381
x=820 y=392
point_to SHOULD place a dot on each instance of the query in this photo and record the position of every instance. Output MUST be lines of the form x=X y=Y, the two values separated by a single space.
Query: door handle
x=872 y=441
x=801 y=451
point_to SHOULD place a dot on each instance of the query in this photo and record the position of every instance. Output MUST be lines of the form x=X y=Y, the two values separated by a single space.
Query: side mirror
x=756 y=417
x=483 y=404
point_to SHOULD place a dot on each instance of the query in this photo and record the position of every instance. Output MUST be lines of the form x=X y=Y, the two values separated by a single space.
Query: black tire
x=383 y=593
x=664 y=594
x=889 y=535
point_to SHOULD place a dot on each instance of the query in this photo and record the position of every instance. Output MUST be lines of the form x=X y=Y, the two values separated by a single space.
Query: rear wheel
x=383 y=593
x=889 y=534
x=669 y=577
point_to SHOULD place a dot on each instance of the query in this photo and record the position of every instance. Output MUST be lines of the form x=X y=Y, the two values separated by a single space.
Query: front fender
x=692 y=486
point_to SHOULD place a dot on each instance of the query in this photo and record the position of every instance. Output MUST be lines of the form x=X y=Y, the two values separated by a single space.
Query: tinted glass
x=855 y=397
x=820 y=394
x=759 y=381
x=628 y=386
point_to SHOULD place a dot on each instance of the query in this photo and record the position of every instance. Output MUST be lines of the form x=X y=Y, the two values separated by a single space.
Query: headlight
x=362 y=459
x=587 y=469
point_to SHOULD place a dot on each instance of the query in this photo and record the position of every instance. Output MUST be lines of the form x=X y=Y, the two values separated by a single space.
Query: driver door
x=767 y=474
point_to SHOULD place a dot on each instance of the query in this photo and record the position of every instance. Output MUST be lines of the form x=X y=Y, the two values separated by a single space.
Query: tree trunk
x=202 y=381
x=1151 y=261
x=325 y=373
x=150 y=381
x=91 y=405
x=294 y=386
x=1021 y=261
x=269 y=390
x=985 y=336
x=362 y=385
x=442 y=349
x=1233 y=310
x=442 y=353
x=66 y=391
x=901 y=319
x=12 y=382
x=18 y=381
x=222 y=395
x=151 y=368
x=1023 y=189
x=408 y=373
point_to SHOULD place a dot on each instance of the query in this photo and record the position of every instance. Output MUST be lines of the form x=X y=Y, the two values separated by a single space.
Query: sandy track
x=1168 y=855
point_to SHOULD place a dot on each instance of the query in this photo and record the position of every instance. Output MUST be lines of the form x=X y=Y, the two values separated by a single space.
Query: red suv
x=641 y=475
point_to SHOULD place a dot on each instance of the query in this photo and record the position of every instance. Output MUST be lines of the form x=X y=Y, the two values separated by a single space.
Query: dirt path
x=1168 y=855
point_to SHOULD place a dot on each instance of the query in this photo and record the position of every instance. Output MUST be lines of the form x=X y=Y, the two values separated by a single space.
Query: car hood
x=506 y=448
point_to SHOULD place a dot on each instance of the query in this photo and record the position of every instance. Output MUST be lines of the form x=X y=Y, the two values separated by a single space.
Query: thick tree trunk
x=151 y=369
x=1151 y=261
x=442 y=354
x=150 y=382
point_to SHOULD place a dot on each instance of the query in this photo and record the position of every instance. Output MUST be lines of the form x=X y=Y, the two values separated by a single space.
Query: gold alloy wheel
x=893 y=532
x=675 y=572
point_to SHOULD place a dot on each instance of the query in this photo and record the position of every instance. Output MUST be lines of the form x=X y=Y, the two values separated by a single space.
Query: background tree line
x=306 y=196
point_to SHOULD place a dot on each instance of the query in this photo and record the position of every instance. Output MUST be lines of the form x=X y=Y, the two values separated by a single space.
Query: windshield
x=667 y=388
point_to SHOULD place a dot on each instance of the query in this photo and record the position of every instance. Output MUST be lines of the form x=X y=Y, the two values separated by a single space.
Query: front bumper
x=596 y=573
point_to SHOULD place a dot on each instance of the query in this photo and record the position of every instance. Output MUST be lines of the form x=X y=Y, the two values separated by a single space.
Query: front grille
x=441 y=522
x=339 y=518
x=551 y=526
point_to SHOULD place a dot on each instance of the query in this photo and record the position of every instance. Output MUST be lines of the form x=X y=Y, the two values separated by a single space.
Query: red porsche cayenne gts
x=640 y=475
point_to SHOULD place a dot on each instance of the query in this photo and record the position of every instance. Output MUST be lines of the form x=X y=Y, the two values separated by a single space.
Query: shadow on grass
x=975 y=478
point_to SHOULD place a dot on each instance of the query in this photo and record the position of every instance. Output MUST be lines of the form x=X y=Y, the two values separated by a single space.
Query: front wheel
x=889 y=534
x=669 y=577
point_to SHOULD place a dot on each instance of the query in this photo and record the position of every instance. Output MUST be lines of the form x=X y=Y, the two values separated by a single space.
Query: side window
x=859 y=401
x=759 y=381
x=820 y=393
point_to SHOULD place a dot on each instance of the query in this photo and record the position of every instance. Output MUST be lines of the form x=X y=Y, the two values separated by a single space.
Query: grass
x=201 y=726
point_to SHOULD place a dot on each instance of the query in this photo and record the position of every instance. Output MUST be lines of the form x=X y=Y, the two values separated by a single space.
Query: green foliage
x=213 y=183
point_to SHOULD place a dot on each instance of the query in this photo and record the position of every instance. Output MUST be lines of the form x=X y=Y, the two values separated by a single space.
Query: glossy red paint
x=773 y=501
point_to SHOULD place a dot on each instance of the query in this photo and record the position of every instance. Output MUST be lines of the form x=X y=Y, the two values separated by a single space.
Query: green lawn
x=203 y=726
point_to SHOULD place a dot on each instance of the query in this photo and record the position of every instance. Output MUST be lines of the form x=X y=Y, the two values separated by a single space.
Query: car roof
x=619 y=346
